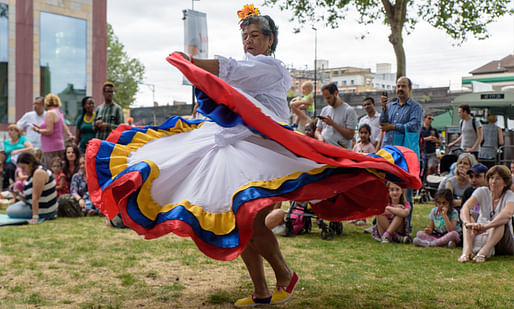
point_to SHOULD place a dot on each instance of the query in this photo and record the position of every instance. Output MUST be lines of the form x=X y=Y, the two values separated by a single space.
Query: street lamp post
x=315 y=66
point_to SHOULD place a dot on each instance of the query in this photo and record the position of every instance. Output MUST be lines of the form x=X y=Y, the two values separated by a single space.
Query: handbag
x=407 y=139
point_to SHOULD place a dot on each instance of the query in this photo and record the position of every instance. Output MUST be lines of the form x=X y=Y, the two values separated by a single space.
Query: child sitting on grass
x=444 y=226
x=393 y=225
x=59 y=176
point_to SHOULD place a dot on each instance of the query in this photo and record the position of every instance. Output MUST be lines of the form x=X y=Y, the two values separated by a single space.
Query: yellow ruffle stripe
x=217 y=223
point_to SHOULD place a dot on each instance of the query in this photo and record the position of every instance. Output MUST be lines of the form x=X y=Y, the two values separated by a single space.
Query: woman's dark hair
x=84 y=101
x=27 y=157
x=447 y=195
x=267 y=26
x=67 y=171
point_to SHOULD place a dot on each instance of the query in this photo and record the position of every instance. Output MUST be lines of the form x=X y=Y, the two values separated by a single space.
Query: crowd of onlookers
x=42 y=162
x=474 y=204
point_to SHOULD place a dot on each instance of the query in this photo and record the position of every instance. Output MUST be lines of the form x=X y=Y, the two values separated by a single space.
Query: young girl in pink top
x=365 y=144
x=393 y=224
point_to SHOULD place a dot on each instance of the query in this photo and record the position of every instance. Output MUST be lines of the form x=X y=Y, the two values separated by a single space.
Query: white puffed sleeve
x=262 y=77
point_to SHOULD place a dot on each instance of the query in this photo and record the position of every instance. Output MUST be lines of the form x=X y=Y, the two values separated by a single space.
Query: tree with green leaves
x=458 y=18
x=125 y=72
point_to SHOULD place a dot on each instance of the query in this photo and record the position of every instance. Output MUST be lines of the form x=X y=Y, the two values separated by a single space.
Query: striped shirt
x=111 y=114
x=48 y=199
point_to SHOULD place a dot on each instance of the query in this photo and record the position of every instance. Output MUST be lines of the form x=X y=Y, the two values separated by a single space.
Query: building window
x=352 y=90
x=63 y=61
x=344 y=83
x=4 y=59
x=352 y=82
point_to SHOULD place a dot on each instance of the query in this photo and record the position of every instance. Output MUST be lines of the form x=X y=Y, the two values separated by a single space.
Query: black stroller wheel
x=337 y=227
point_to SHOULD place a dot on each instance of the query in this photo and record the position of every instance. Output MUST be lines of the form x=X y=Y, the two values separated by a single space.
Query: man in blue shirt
x=398 y=113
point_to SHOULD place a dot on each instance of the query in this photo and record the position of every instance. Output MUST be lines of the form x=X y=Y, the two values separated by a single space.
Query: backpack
x=69 y=206
x=297 y=223
x=474 y=128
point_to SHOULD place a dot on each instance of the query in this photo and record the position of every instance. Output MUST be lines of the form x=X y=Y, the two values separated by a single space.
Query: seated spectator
x=459 y=183
x=20 y=178
x=59 y=176
x=80 y=192
x=476 y=175
x=492 y=233
x=13 y=146
x=393 y=225
x=444 y=226
x=39 y=193
x=71 y=161
x=364 y=145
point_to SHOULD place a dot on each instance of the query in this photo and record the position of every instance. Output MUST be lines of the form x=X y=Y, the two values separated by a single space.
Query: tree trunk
x=396 y=15
x=397 y=42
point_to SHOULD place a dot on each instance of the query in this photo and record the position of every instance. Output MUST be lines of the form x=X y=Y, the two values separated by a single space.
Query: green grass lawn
x=81 y=263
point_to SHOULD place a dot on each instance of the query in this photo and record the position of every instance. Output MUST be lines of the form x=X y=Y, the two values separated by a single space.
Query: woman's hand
x=428 y=230
x=184 y=55
x=82 y=204
x=476 y=228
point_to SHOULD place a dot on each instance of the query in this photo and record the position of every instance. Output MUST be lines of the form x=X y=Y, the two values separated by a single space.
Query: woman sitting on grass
x=492 y=233
x=79 y=191
x=39 y=199
x=393 y=225
x=444 y=226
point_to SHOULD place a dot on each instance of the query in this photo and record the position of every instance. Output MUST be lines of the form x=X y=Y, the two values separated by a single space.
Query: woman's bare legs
x=264 y=244
x=493 y=237
x=467 y=244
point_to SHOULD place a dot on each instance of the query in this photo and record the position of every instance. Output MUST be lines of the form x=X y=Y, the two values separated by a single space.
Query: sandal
x=479 y=258
x=464 y=258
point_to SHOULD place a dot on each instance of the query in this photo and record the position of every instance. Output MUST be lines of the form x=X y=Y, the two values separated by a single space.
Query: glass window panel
x=4 y=58
x=63 y=60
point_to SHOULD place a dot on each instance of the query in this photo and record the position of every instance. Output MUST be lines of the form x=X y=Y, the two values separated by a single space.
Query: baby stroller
x=299 y=221
x=432 y=181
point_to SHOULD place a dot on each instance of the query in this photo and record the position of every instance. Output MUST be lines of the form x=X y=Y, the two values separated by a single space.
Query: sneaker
x=386 y=238
x=369 y=230
x=452 y=244
x=252 y=301
x=282 y=294
x=404 y=239
x=420 y=242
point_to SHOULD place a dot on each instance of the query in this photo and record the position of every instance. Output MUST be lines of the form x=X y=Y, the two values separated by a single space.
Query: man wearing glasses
x=35 y=116
x=108 y=116
x=431 y=140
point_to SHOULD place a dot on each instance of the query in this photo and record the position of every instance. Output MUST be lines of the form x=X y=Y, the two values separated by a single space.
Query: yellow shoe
x=282 y=294
x=251 y=301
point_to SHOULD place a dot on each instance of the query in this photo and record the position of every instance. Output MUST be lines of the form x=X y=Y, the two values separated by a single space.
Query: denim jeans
x=22 y=210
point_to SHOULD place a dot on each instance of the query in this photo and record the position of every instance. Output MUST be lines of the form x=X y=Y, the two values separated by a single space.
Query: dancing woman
x=216 y=180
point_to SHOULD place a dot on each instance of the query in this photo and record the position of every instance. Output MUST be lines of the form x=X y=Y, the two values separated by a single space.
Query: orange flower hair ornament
x=247 y=11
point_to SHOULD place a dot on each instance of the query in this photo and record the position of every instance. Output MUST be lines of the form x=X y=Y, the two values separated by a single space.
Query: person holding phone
x=399 y=115
x=337 y=120
x=108 y=116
